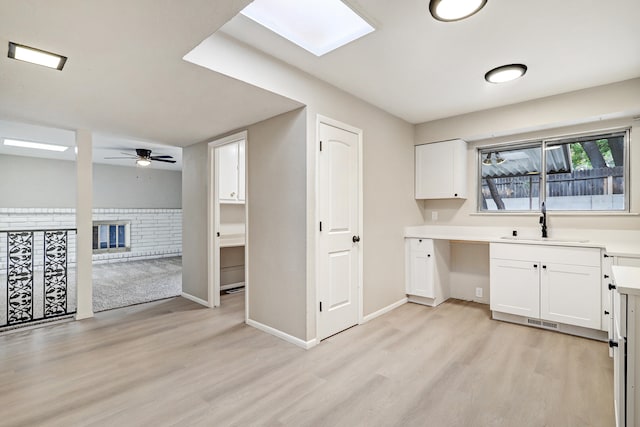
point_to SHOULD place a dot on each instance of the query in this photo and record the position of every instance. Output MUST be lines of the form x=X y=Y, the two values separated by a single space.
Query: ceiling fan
x=144 y=158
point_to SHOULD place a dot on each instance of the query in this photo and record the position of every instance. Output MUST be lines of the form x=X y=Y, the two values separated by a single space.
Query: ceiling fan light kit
x=144 y=158
x=455 y=10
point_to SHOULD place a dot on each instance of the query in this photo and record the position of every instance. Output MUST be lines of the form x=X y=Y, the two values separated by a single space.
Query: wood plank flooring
x=173 y=363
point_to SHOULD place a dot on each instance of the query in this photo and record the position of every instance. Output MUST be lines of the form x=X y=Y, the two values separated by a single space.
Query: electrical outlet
x=434 y=215
x=478 y=292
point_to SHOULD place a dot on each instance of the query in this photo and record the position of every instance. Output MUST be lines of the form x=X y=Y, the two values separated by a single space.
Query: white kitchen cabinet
x=441 y=170
x=551 y=283
x=515 y=287
x=625 y=344
x=231 y=163
x=571 y=294
x=426 y=271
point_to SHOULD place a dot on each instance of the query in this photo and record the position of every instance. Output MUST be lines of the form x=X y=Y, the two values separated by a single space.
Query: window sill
x=555 y=213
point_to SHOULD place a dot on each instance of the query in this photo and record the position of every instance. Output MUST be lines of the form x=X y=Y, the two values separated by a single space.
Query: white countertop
x=625 y=243
x=627 y=279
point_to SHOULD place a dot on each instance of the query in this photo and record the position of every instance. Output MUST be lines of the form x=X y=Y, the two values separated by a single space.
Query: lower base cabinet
x=427 y=270
x=625 y=345
x=552 y=283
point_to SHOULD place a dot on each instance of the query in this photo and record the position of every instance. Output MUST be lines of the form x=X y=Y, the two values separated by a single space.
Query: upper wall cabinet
x=441 y=170
x=231 y=174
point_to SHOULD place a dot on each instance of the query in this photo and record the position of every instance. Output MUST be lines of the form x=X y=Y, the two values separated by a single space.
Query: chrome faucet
x=543 y=220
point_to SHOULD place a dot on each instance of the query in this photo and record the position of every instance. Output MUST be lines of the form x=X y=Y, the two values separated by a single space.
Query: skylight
x=318 y=26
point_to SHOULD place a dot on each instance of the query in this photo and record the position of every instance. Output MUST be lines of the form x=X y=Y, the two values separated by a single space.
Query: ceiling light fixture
x=454 y=10
x=506 y=73
x=36 y=56
x=34 y=145
x=318 y=26
x=143 y=162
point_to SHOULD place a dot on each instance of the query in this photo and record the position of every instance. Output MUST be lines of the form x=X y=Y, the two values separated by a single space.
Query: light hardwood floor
x=174 y=363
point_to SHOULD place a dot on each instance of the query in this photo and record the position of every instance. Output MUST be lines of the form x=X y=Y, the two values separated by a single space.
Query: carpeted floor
x=126 y=283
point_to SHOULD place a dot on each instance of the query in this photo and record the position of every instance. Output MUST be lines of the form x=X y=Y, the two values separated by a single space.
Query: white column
x=84 y=224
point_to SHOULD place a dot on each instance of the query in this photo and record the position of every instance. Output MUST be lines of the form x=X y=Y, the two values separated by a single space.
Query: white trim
x=84 y=314
x=282 y=335
x=359 y=132
x=384 y=310
x=196 y=299
x=213 y=218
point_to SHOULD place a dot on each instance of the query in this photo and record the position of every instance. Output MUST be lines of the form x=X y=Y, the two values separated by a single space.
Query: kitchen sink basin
x=543 y=239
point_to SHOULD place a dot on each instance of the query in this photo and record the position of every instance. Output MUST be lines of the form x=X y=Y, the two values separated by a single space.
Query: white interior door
x=339 y=265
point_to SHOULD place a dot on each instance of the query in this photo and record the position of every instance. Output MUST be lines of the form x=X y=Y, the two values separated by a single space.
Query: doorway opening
x=227 y=219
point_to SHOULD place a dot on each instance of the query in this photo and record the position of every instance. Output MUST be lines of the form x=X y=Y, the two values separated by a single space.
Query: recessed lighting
x=506 y=73
x=143 y=162
x=319 y=26
x=454 y=10
x=36 y=56
x=34 y=145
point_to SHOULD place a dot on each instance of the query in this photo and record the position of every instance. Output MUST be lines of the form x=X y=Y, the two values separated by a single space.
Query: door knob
x=355 y=239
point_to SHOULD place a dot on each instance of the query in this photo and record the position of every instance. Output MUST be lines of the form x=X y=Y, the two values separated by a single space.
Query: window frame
x=127 y=237
x=555 y=140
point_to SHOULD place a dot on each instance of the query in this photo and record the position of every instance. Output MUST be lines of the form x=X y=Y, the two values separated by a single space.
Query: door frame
x=213 y=221
x=320 y=119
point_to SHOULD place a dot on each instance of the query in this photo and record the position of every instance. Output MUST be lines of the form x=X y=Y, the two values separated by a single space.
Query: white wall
x=388 y=173
x=30 y=182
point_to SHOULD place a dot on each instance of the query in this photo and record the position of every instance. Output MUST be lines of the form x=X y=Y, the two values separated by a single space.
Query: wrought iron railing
x=37 y=281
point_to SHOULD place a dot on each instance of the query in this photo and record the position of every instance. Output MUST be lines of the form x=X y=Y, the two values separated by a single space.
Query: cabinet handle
x=606 y=312
x=544 y=266
x=420 y=240
x=455 y=195
x=612 y=343
x=535 y=265
x=611 y=286
x=606 y=276
x=428 y=255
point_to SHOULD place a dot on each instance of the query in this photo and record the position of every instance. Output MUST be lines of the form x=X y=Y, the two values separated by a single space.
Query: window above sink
x=580 y=173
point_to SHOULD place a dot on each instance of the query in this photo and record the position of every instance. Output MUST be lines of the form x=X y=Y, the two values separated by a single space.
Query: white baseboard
x=84 y=315
x=196 y=299
x=384 y=310
x=282 y=335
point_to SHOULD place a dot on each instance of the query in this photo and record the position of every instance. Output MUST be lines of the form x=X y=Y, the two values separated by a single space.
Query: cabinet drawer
x=543 y=253
x=420 y=245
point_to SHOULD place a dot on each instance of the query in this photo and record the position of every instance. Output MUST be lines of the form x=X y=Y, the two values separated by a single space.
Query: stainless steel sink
x=543 y=239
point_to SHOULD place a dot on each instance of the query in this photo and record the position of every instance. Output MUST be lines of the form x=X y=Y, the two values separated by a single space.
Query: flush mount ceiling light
x=506 y=73
x=454 y=10
x=36 y=56
x=34 y=145
x=319 y=26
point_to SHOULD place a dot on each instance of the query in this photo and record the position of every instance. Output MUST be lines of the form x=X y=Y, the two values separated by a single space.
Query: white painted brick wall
x=155 y=233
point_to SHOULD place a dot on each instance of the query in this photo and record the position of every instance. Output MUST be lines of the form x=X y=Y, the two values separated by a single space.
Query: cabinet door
x=228 y=173
x=571 y=294
x=515 y=287
x=421 y=265
x=441 y=170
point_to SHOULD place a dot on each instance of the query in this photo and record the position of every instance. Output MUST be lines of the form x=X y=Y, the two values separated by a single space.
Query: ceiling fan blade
x=163 y=160
x=128 y=158
x=161 y=157
x=129 y=154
